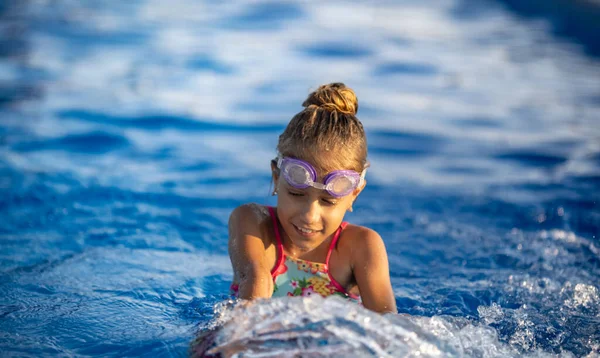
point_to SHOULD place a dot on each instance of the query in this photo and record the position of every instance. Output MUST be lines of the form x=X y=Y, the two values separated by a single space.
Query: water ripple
x=129 y=131
x=532 y=158
x=270 y=15
x=405 y=68
x=90 y=143
x=335 y=50
x=154 y=123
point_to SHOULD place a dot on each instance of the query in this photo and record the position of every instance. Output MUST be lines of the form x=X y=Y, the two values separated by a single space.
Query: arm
x=371 y=271
x=247 y=254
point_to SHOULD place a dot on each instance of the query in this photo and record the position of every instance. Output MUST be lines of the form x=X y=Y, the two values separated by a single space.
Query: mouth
x=305 y=231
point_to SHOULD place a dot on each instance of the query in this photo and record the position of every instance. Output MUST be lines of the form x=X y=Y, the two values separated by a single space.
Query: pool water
x=130 y=130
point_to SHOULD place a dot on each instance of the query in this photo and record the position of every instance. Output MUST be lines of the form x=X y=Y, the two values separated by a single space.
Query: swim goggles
x=301 y=175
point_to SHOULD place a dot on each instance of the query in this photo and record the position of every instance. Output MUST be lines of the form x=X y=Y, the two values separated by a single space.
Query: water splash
x=314 y=326
x=320 y=327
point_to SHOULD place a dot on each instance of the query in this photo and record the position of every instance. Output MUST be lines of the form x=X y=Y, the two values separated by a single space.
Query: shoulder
x=361 y=236
x=253 y=219
x=361 y=242
x=250 y=211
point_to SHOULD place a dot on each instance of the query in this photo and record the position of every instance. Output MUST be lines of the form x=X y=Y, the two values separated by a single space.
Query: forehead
x=324 y=166
x=324 y=161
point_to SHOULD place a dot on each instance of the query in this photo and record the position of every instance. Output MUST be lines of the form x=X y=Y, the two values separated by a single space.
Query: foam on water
x=130 y=130
x=331 y=327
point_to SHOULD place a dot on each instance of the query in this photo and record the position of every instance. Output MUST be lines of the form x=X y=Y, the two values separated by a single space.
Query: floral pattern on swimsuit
x=304 y=278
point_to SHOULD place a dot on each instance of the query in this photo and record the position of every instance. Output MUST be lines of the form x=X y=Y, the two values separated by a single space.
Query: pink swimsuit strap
x=279 y=268
x=280 y=255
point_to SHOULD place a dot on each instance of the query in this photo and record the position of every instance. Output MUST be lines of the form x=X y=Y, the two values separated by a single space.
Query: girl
x=302 y=247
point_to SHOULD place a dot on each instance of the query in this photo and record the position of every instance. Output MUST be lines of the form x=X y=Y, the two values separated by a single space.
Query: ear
x=355 y=194
x=274 y=172
x=359 y=189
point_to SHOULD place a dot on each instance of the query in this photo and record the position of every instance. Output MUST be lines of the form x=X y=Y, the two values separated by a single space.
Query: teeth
x=306 y=231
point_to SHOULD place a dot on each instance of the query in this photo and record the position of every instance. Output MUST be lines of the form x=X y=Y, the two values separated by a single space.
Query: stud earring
x=274 y=193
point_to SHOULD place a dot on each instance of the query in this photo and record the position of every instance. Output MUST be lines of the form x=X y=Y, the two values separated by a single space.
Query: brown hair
x=327 y=132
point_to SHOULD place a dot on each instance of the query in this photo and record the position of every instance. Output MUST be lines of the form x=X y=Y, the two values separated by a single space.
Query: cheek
x=340 y=212
x=345 y=204
x=336 y=213
x=286 y=205
x=283 y=198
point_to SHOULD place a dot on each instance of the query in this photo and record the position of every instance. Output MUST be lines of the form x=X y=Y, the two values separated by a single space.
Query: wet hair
x=327 y=133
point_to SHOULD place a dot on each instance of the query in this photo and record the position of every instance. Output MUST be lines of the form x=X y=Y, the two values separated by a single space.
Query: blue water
x=130 y=130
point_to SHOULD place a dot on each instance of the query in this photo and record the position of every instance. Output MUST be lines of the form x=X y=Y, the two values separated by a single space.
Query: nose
x=311 y=212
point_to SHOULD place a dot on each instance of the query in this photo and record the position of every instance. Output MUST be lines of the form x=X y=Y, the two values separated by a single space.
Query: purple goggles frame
x=304 y=175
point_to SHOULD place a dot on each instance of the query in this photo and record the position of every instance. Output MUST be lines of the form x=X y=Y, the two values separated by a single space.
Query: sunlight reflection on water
x=129 y=130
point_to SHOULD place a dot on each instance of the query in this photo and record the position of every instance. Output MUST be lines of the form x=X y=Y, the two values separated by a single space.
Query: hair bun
x=333 y=97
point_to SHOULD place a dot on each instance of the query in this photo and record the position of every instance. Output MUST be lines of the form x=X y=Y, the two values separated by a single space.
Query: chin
x=306 y=243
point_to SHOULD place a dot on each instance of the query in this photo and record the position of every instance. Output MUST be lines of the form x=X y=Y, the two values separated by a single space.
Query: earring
x=274 y=192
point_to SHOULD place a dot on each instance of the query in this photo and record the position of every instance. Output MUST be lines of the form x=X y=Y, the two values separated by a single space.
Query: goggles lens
x=301 y=175
x=298 y=175
x=342 y=184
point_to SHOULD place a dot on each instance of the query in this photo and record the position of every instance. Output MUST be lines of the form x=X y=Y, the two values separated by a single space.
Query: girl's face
x=309 y=216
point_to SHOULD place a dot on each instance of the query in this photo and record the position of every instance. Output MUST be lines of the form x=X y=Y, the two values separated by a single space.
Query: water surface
x=130 y=130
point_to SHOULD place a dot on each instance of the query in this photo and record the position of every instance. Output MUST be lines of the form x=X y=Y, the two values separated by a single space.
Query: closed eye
x=329 y=201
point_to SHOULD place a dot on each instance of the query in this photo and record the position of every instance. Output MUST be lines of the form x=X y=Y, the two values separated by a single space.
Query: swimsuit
x=297 y=277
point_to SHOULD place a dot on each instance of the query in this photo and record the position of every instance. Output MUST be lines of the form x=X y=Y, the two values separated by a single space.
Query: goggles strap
x=362 y=176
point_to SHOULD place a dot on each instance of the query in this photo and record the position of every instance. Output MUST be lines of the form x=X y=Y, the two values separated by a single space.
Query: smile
x=305 y=232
